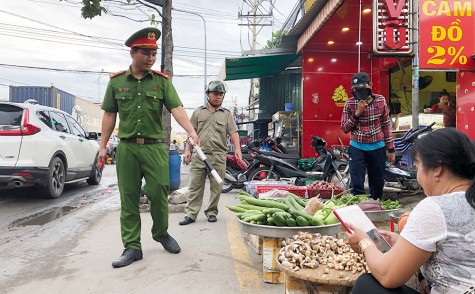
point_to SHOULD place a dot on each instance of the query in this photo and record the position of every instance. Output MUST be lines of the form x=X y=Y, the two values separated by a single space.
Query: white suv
x=44 y=146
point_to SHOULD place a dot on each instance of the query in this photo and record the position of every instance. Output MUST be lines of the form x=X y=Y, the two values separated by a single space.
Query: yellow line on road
x=249 y=278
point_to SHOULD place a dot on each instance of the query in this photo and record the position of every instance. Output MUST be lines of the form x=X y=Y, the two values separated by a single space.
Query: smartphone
x=355 y=215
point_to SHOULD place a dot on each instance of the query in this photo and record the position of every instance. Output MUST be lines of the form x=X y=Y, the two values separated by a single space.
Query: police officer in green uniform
x=138 y=95
x=213 y=124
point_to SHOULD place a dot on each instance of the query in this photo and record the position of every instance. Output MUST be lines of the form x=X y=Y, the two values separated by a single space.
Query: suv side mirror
x=92 y=135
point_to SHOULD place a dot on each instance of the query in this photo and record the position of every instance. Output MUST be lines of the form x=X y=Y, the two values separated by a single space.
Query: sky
x=51 y=34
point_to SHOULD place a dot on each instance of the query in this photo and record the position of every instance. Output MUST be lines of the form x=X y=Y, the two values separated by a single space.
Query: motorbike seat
x=279 y=155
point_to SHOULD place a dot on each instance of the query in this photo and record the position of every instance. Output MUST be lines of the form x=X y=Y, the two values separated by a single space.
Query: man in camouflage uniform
x=213 y=124
x=138 y=96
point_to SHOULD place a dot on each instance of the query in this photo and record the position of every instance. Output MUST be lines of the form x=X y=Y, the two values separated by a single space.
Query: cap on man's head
x=145 y=38
x=360 y=80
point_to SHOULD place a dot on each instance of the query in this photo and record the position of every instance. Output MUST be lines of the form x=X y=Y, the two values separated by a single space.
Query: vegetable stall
x=278 y=213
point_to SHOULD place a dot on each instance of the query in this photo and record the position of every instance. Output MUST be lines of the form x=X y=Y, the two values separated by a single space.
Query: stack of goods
x=324 y=190
x=314 y=251
x=291 y=211
x=251 y=187
x=306 y=163
x=366 y=203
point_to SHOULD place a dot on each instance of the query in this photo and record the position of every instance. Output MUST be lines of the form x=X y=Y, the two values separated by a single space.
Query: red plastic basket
x=324 y=193
x=300 y=191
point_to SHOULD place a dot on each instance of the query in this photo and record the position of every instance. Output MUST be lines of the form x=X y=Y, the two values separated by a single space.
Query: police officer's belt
x=142 y=141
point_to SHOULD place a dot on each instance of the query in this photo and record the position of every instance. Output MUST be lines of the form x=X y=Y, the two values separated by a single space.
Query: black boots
x=186 y=221
x=128 y=256
x=168 y=243
x=212 y=218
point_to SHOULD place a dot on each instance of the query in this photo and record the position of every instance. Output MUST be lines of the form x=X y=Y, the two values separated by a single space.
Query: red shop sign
x=391 y=23
x=447 y=39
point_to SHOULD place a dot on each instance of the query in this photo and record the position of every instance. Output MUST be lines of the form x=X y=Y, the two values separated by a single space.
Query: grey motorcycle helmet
x=216 y=86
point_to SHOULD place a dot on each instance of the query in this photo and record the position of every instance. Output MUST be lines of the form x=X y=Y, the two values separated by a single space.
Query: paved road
x=17 y=205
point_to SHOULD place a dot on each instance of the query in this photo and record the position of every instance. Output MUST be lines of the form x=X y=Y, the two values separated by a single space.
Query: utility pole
x=415 y=65
x=255 y=19
x=167 y=61
x=166 y=65
x=254 y=39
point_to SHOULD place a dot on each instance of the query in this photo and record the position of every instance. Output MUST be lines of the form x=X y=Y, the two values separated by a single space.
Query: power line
x=77 y=71
x=36 y=33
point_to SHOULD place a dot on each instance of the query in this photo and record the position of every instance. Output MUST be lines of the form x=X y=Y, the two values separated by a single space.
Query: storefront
x=376 y=37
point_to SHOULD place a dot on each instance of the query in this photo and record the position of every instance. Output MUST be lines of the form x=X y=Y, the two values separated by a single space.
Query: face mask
x=362 y=93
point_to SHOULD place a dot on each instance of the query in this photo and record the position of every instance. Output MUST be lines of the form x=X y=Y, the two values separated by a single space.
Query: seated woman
x=439 y=236
x=443 y=98
x=450 y=114
x=394 y=123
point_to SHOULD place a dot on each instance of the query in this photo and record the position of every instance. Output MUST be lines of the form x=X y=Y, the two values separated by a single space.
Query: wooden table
x=301 y=281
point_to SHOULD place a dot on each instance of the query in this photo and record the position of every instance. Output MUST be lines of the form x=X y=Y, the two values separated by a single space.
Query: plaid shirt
x=373 y=125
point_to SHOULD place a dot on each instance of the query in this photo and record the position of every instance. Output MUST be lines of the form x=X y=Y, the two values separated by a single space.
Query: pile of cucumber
x=286 y=212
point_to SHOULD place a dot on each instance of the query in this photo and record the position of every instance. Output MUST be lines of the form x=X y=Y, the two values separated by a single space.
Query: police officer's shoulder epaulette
x=225 y=109
x=116 y=73
x=161 y=73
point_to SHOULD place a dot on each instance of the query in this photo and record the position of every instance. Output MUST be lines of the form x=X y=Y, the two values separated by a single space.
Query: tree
x=92 y=8
x=276 y=39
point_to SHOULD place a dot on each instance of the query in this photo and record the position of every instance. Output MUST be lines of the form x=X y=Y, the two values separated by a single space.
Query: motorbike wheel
x=227 y=185
x=345 y=174
x=262 y=173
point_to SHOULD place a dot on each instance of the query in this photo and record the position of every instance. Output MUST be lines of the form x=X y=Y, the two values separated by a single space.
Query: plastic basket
x=252 y=185
x=324 y=193
x=297 y=190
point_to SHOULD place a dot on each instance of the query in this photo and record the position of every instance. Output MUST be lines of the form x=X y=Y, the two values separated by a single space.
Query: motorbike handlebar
x=416 y=133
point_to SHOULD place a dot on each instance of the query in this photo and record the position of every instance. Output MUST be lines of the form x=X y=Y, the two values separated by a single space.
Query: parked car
x=111 y=146
x=45 y=147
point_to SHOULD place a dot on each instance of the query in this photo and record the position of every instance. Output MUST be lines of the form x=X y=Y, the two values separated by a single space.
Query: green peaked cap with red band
x=145 y=38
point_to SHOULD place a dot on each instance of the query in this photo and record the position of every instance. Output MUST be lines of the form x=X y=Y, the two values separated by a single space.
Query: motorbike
x=279 y=166
x=237 y=171
x=402 y=176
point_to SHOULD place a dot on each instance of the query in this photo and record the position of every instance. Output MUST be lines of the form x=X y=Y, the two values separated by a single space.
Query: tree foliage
x=92 y=8
x=276 y=39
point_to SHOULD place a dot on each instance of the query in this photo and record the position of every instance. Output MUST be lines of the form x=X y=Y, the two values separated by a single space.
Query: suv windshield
x=10 y=117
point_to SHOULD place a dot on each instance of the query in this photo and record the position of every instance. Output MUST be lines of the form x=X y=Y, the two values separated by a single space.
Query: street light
x=161 y=3
x=204 y=23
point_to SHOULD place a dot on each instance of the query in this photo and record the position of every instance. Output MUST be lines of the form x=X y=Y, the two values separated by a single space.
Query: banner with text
x=446 y=34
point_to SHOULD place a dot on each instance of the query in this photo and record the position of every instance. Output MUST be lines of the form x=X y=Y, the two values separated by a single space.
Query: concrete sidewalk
x=73 y=254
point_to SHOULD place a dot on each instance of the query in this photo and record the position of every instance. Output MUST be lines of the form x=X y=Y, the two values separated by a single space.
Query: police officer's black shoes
x=212 y=218
x=168 y=243
x=186 y=221
x=128 y=256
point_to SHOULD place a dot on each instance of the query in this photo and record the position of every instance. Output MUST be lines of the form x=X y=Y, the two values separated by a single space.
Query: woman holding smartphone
x=439 y=236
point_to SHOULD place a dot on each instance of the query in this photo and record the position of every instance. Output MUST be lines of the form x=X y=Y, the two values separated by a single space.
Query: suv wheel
x=96 y=174
x=56 y=177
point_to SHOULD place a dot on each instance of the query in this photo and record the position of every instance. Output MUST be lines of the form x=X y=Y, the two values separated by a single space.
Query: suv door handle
x=62 y=137
x=80 y=140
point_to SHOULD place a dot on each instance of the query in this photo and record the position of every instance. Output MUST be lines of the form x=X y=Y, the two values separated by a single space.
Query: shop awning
x=255 y=66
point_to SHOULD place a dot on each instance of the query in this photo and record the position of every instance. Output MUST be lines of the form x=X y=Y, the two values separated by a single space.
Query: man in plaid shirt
x=366 y=118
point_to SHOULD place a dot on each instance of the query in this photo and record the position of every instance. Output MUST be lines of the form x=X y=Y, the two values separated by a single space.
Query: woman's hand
x=390 y=237
x=355 y=238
